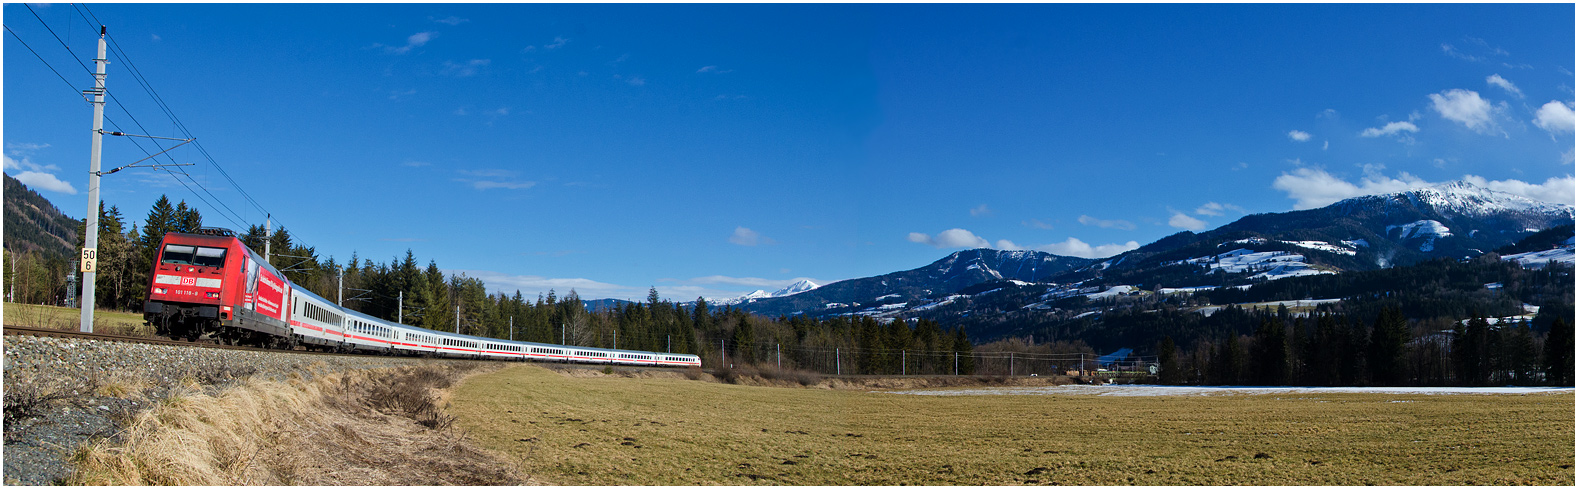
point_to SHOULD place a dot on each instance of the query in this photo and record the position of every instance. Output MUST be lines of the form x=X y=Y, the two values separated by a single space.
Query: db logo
x=189 y=281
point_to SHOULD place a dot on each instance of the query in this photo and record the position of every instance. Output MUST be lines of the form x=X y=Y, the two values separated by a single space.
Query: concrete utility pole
x=838 y=362
x=400 y=316
x=268 y=237
x=339 y=295
x=512 y=328
x=457 y=319
x=90 y=244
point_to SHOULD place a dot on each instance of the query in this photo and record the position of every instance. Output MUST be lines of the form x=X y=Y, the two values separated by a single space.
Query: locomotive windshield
x=193 y=255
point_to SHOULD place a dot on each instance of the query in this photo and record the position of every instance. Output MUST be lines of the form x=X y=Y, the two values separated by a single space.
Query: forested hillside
x=32 y=223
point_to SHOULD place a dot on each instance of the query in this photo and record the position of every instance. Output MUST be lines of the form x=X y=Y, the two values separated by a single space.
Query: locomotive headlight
x=161 y=290
x=213 y=295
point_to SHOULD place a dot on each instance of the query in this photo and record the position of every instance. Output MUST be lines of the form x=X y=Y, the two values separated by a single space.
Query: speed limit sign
x=89 y=258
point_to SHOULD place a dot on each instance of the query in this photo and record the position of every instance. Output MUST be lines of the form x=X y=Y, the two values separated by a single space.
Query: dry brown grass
x=355 y=428
x=53 y=317
x=598 y=430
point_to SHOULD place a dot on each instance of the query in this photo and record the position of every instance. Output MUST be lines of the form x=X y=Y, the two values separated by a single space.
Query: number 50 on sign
x=89 y=257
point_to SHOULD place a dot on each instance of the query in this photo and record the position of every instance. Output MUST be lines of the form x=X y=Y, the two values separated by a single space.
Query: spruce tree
x=187 y=220
x=161 y=219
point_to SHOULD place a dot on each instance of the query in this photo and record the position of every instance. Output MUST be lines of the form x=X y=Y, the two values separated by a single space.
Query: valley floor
x=618 y=430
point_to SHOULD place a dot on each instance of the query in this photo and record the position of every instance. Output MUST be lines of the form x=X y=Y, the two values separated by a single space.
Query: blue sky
x=711 y=150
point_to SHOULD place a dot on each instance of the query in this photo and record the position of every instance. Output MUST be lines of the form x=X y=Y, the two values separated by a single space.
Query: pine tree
x=1269 y=359
x=1559 y=353
x=744 y=340
x=1388 y=338
x=1167 y=357
x=1470 y=352
x=964 y=351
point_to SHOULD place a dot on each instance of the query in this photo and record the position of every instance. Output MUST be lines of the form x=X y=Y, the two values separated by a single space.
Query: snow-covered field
x=1170 y=390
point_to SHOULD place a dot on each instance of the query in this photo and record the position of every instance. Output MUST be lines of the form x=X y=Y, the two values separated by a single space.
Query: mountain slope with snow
x=943 y=277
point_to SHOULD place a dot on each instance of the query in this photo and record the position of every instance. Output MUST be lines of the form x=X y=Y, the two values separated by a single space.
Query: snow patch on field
x=1114 y=291
x=1539 y=259
x=1419 y=229
x=1272 y=265
x=1323 y=246
x=1169 y=390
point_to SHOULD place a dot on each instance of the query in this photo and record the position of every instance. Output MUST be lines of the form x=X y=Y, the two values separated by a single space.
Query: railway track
x=59 y=333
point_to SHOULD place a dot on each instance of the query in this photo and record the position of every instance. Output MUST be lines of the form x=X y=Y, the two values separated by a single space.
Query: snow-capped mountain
x=795 y=288
x=954 y=272
x=1453 y=220
x=799 y=286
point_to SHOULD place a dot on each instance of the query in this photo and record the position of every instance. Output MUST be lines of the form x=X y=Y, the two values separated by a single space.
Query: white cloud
x=1454 y=52
x=1557 y=190
x=1555 y=117
x=1072 y=247
x=1217 y=209
x=1104 y=223
x=37 y=176
x=952 y=238
x=636 y=81
x=466 y=69
x=1036 y=223
x=1298 y=135
x=1312 y=188
x=558 y=42
x=451 y=20
x=1390 y=129
x=413 y=42
x=491 y=179
x=744 y=236
x=490 y=184
x=44 y=181
x=1075 y=247
x=156 y=38
x=1184 y=221
x=1497 y=80
x=1465 y=107
x=713 y=69
x=980 y=210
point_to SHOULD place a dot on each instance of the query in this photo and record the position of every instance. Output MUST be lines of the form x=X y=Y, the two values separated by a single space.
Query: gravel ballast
x=63 y=392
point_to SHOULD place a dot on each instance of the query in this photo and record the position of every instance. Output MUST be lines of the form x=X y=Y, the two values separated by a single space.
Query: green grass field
x=611 y=430
x=104 y=321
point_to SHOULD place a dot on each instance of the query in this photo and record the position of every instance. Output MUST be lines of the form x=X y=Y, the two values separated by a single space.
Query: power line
x=46 y=63
x=159 y=101
x=147 y=87
x=57 y=39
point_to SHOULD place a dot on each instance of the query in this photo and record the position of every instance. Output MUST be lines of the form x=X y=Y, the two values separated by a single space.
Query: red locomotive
x=211 y=283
